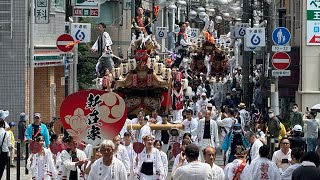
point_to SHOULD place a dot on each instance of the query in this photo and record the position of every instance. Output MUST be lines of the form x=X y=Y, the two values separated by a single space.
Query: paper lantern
x=124 y=68
x=166 y=73
x=158 y=68
x=151 y=62
x=132 y=64
x=116 y=73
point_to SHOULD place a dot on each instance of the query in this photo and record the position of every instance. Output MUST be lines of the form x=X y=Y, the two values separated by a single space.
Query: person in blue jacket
x=233 y=138
x=37 y=128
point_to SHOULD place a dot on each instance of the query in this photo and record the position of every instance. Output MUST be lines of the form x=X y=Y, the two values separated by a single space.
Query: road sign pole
x=274 y=104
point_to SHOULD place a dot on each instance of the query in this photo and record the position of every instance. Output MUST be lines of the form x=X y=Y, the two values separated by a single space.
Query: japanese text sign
x=42 y=12
x=93 y=115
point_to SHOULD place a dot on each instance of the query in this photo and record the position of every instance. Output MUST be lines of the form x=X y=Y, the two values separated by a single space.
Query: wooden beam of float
x=156 y=126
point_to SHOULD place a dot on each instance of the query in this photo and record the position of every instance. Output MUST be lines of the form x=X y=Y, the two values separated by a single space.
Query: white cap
x=203 y=94
x=4 y=114
x=297 y=128
x=209 y=105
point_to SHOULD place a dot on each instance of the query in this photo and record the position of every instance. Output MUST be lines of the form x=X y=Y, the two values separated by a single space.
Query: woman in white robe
x=72 y=160
x=164 y=157
x=148 y=163
x=41 y=164
x=107 y=167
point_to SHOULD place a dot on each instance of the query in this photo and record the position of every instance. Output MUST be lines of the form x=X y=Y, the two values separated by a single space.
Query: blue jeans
x=311 y=144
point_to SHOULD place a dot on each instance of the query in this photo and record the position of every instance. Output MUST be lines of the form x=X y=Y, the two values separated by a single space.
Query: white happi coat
x=190 y=127
x=164 y=159
x=106 y=41
x=217 y=172
x=263 y=169
x=213 y=133
x=158 y=170
x=254 y=152
x=116 y=171
x=49 y=168
x=65 y=165
x=123 y=156
x=132 y=157
x=231 y=168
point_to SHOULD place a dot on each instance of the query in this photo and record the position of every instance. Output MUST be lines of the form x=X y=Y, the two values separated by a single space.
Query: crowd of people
x=214 y=119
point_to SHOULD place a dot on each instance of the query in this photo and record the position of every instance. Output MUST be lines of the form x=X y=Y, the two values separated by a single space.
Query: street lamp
x=201 y=9
x=218 y=19
x=202 y=15
x=211 y=11
x=192 y=14
x=181 y=10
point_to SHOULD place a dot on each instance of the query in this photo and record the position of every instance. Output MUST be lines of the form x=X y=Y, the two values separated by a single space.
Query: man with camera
x=312 y=129
x=282 y=157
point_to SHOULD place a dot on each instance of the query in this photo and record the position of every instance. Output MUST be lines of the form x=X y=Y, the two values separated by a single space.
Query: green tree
x=86 y=64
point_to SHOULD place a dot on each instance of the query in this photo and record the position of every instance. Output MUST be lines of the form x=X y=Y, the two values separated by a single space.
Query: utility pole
x=31 y=58
x=272 y=24
x=247 y=55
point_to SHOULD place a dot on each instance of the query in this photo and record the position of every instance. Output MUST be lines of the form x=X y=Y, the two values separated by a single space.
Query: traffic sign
x=281 y=73
x=281 y=36
x=161 y=32
x=81 y=31
x=246 y=48
x=194 y=32
x=281 y=60
x=281 y=48
x=65 y=42
x=240 y=29
x=313 y=22
x=255 y=37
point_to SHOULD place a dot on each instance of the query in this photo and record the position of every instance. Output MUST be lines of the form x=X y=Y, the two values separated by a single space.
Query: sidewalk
x=13 y=172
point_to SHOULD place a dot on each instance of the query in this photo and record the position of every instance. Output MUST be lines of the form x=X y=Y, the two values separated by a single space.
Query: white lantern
x=151 y=62
x=132 y=64
x=218 y=19
x=158 y=68
x=166 y=73
x=116 y=73
x=124 y=68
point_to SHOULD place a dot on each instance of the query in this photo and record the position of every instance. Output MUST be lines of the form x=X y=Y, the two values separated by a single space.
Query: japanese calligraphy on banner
x=313 y=22
x=41 y=12
x=93 y=115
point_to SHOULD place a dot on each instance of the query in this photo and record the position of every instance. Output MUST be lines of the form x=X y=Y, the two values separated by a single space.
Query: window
x=60 y=5
x=5 y=16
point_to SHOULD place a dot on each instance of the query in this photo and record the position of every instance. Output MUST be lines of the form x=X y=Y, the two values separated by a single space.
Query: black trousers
x=3 y=162
x=180 y=55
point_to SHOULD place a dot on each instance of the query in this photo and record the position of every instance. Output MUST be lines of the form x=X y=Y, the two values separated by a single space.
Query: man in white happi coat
x=108 y=167
x=190 y=124
x=282 y=157
x=246 y=116
x=203 y=102
x=132 y=155
x=121 y=153
x=194 y=170
x=103 y=47
x=154 y=117
x=145 y=129
x=195 y=107
x=217 y=92
x=262 y=168
x=213 y=110
x=209 y=154
x=207 y=133
x=71 y=162
x=235 y=169
x=255 y=145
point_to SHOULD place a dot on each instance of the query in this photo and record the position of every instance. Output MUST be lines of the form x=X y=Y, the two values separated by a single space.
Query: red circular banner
x=92 y=116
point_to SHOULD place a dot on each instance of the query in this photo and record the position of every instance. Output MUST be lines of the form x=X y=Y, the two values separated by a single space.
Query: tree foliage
x=86 y=63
